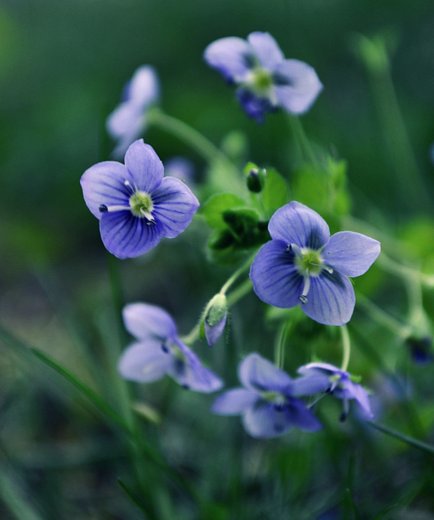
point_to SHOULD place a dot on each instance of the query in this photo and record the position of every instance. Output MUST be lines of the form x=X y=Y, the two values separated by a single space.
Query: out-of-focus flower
x=338 y=383
x=303 y=264
x=135 y=204
x=268 y=400
x=420 y=349
x=266 y=80
x=128 y=119
x=180 y=168
x=159 y=351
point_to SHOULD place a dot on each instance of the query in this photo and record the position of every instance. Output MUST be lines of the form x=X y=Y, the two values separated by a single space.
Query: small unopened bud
x=215 y=318
x=255 y=177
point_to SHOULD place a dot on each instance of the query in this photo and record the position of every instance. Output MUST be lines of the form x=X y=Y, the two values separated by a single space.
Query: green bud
x=255 y=177
x=216 y=310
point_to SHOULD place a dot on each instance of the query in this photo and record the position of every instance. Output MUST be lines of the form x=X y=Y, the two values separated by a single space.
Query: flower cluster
x=266 y=80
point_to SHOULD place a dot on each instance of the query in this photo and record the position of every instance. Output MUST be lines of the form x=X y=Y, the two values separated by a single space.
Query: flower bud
x=255 y=177
x=215 y=318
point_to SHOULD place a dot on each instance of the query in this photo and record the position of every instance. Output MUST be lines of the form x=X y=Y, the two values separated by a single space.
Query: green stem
x=190 y=136
x=302 y=141
x=230 y=281
x=346 y=347
x=427 y=448
x=403 y=271
x=384 y=318
x=279 y=351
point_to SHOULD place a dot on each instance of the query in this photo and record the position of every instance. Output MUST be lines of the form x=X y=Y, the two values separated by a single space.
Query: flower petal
x=144 y=165
x=126 y=236
x=276 y=280
x=258 y=374
x=143 y=89
x=234 y=402
x=331 y=299
x=296 y=86
x=125 y=120
x=350 y=390
x=145 y=321
x=103 y=183
x=231 y=56
x=297 y=224
x=213 y=332
x=352 y=254
x=266 y=49
x=192 y=374
x=254 y=106
x=310 y=384
x=144 y=362
x=265 y=420
x=174 y=206
x=320 y=367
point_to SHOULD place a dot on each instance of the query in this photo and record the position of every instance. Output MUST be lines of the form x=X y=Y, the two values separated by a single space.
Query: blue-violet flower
x=135 y=204
x=338 y=383
x=268 y=401
x=266 y=80
x=128 y=119
x=159 y=351
x=303 y=264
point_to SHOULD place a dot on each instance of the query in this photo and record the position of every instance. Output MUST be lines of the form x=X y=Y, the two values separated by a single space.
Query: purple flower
x=180 y=168
x=216 y=315
x=128 y=120
x=339 y=383
x=135 y=205
x=303 y=264
x=265 y=79
x=159 y=351
x=268 y=402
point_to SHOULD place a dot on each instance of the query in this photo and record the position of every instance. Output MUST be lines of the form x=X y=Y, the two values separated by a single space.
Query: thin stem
x=384 y=318
x=229 y=282
x=301 y=139
x=390 y=265
x=346 y=347
x=279 y=352
x=428 y=448
x=190 y=136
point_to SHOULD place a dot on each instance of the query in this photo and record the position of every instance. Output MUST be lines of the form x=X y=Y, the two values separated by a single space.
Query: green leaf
x=275 y=193
x=214 y=207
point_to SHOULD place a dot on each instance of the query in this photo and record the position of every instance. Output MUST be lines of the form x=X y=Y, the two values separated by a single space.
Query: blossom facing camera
x=265 y=80
x=303 y=265
x=268 y=401
x=158 y=351
x=135 y=204
x=128 y=119
x=340 y=384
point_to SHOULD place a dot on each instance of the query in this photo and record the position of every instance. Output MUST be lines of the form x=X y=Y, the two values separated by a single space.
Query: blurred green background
x=62 y=67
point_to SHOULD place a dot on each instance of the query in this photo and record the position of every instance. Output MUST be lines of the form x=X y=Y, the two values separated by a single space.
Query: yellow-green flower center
x=262 y=80
x=309 y=262
x=141 y=205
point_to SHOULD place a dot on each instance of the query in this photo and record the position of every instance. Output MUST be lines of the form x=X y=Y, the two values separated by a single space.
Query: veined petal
x=266 y=49
x=144 y=362
x=318 y=366
x=144 y=165
x=234 y=402
x=301 y=416
x=126 y=236
x=103 y=183
x=192 y=374
x=296 y=86
x=143 y=88
x=254 y=106
x=258 y=374
x=297 y=224
x=174 y=206
x=145 y=321
x=276 y=280
x=331 y=299
x=349 y=390
x=352 y=254
x=231 y=56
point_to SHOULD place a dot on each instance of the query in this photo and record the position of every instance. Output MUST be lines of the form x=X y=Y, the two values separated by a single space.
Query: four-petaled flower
x=338 y=383
x=268 y=402
x=128 y=119
x=136 y=205
x=159 y=351
x=265 y=79
x=303 y=264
